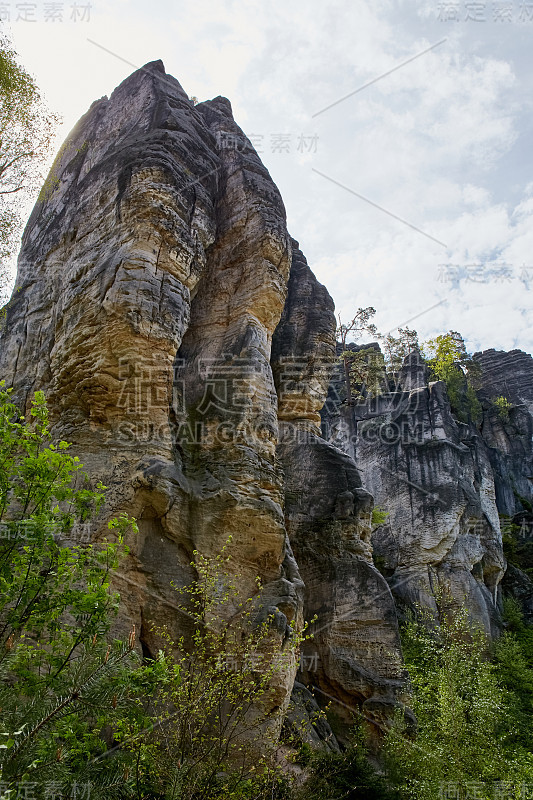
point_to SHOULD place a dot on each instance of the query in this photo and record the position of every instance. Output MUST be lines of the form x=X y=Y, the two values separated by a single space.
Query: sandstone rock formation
x=433 y=477
x=186 y=349
x=507 y=374
x=154 y=272
x=355 y=652
x=509 y=436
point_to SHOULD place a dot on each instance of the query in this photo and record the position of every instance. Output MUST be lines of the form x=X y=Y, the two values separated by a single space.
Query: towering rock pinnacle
x=155 y=272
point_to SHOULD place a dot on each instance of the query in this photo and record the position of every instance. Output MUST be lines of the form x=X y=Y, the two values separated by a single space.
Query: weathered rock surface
x=433 y=477
x=306 y=723
x=154 y=272
x=507 y=374
x=355 y=653
x=509 y=436
x=186 y=349
x=509 y=441
x=152 y=275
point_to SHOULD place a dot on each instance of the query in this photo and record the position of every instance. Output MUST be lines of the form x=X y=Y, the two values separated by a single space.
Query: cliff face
x=509 y=436
x=508 y=374
x=186 y=349
x=433 y=477
x=355 y=652
x=444 y=484
x=154 y=272
x=509 y=439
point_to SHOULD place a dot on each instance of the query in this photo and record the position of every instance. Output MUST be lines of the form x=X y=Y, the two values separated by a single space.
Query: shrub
x=466 y=733
x=61 y=680
x=346 y=775
x=212 y=701
x=379 y=516
x=503 y=406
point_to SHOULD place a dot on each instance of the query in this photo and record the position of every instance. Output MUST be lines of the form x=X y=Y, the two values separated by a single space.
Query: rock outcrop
x=509 y=433
x=508 y=438
x=507 y=374
x=186 y=350
x=154 y=272
x=355 y=652
x=432 y=476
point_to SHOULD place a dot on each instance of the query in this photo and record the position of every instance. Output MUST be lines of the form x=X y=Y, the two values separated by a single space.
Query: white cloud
x=427 y=142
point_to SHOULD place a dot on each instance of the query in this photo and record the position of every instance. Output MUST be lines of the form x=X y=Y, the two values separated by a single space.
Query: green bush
x=61 y=680
x=379 y=516
x=467 y=722
x=346 y=775
x=513 y=658
x=503 y=406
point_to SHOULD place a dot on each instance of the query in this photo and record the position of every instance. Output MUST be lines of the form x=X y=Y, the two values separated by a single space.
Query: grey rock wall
x=156 y=270
x=433 y=477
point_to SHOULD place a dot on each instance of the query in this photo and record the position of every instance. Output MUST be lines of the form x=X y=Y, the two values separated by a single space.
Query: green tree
x=449 y=361
x=346 y=775
x=366 y=371
x=212 y=700
x=363 y=367
x=466 y=733
x=397 y=348
x=26 y=138
x=61 y=680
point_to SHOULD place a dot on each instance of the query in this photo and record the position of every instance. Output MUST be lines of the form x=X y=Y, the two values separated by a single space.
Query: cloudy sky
x=399 y=133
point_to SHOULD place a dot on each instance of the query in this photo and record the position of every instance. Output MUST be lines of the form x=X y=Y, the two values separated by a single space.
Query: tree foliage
x=363 y=368
x=449 y=361
x=346 y=775
x=467 y=731
x=397 y=348
x=367 y=368
x=26 y=137
x=513 y=657
x=61 y=680
x=370 y=370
